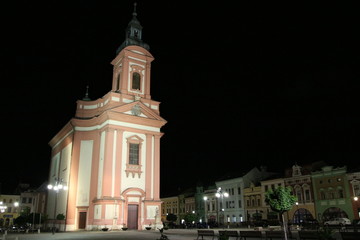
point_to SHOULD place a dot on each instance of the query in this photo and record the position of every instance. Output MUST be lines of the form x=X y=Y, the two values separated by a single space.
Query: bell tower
x=131 y=73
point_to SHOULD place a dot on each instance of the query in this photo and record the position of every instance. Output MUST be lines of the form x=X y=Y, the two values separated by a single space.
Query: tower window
x=136 y=81
x=134 y=154
x=118 y=82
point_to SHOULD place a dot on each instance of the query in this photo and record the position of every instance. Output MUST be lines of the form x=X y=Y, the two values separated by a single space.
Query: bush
x=60 y=216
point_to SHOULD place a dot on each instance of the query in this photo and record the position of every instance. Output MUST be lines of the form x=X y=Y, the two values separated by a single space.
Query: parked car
x=338 y=221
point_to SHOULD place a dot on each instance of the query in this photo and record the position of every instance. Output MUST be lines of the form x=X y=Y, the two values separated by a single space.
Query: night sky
x=240 y=85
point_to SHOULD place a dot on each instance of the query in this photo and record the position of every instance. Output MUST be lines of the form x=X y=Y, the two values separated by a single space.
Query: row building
x=323 y=192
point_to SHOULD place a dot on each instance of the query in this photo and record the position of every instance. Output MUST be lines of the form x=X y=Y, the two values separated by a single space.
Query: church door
x=132 y=216
x=82 y=220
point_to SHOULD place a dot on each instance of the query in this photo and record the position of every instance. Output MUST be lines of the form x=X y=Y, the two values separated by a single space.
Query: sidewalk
x=172 y=234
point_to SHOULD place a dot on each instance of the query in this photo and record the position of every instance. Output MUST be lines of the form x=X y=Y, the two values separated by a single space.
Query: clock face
x=136 y=110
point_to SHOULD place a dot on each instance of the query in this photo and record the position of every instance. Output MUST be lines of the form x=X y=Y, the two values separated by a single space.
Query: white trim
x=152 y=166
x=118 y=62
x=137 y=52
x=117 y=123
x=133 y=63
x=113 y=165
x=84 y=173
x=115 y=99
x=90 y=106
x=101 y=163
x=125 y=100
x=62 y=139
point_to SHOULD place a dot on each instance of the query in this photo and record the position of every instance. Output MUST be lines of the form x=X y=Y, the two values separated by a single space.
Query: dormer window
x=136 y=81
x=136 y=33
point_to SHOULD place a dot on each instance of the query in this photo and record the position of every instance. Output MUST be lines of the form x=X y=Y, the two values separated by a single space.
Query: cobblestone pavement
x=172 y=234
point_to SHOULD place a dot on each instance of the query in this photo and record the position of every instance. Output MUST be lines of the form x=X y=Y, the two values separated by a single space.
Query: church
x=105 y=162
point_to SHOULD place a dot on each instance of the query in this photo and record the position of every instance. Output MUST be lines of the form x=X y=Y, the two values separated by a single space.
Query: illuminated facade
x=354 y=185
x=9 y=209
x=170 y=205
x=332 y=193
x=108 y=155
x=300 y=181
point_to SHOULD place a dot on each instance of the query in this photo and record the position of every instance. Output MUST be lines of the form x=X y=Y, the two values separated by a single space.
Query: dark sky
x=240 y=85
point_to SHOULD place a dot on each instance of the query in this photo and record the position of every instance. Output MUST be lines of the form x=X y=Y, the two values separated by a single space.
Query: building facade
x=9 y=209
x=211 y=212
x=108 y=155
x=354 y=185
x=233 y=205
x=331 y=193
x=300 y=181
x=170 y=205
x=253 y=199
x=266 y=185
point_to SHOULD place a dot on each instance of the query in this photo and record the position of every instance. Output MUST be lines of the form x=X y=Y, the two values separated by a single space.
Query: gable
x=137 y=109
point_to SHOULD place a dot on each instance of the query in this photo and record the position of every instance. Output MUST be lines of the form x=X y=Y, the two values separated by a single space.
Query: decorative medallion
x=136 y=110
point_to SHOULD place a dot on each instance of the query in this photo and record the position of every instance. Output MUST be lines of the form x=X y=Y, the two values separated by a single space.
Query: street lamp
x=297 y=213
x=16 y=205
x=2 y=207
x=221 y=194
x=59 y=185
x=356 y=198
x=205 y=208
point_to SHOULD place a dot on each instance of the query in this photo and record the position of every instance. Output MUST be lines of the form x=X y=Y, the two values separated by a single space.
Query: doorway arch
x=334 y=212
x=302 y=215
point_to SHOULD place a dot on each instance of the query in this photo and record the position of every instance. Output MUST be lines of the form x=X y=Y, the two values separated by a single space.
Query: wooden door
x=132 y=216
x=82 y=220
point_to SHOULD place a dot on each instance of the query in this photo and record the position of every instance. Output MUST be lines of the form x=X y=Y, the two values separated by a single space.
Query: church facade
x=108 y=155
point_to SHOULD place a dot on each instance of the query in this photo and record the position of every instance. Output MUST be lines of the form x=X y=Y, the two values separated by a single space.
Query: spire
x=86 y=98
x=133 y=33
x=134 y=13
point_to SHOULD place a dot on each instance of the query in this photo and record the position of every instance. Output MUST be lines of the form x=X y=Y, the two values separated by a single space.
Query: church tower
x=108 y=155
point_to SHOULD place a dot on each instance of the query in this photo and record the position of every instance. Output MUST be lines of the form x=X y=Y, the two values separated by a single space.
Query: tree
x=171 y=218
x=281 y=200
x=190 y=217
x=60 y=216
x=20 y=220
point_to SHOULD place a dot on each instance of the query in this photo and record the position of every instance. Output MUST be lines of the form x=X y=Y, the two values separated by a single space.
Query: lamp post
x=59 y=185
x=2 y=207
x=297 y=217
x=205 y=211
x=221 y=194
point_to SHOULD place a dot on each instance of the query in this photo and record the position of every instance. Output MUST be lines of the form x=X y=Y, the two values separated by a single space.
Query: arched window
x=134 y=153
x=133 y=165
x=136 y=80
x=322 y=194
x=118 y=82
x=334 y=212
x=298 y=193
x=356 y=187
x=307 y=192
x=302 y=215
x=340 y=192
x=331 y=193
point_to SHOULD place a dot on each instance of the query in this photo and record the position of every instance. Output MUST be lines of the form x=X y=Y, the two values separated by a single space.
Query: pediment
x=137 y=109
